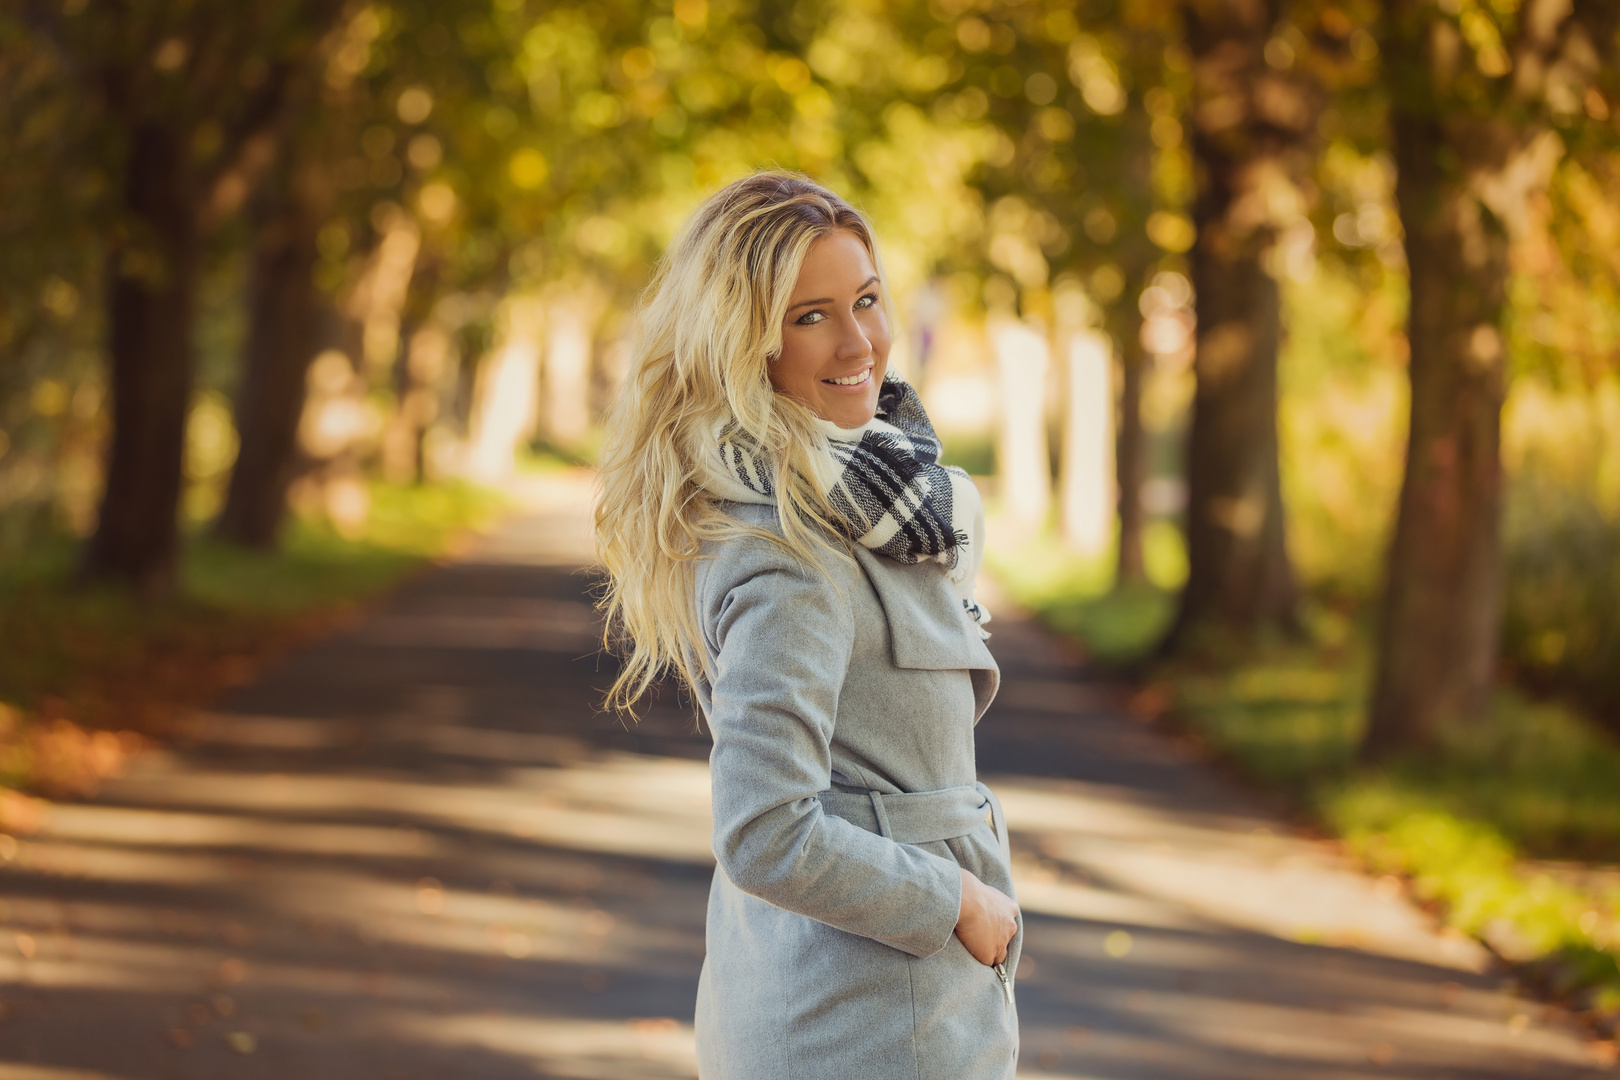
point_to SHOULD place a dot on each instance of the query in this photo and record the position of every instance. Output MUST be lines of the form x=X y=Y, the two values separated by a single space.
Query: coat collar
x=928 y=627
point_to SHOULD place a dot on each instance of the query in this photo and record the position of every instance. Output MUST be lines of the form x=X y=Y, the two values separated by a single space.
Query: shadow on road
x=417 y=851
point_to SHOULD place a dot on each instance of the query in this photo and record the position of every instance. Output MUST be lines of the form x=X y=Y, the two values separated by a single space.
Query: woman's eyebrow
x=828 y=299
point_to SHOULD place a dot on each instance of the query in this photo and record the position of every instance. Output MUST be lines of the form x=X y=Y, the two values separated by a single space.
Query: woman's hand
x=987 y=921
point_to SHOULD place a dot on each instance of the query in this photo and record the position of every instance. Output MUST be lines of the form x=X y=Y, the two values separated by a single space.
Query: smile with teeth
x=851 y=380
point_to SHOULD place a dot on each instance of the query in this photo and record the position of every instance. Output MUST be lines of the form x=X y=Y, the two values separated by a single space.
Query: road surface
x=415 y=851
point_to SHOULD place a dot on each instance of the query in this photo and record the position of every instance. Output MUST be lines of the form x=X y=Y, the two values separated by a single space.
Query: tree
x=1481 y=99
x=285 y=313
x=1152 y=176
x=1073 y=175
x=325 y=110
x=1252 y=115
x=184 y=96
x=50 y=203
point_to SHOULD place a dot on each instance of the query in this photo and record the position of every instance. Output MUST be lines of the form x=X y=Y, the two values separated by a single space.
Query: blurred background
x=1283 y=337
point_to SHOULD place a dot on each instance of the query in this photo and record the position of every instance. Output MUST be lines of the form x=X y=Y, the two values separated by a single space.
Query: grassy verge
x=87 y=673
x=1503 y=832
x=1071 y=592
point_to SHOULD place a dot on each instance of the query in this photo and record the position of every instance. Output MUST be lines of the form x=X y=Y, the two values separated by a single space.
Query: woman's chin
x=849 y=414
x=848 y=410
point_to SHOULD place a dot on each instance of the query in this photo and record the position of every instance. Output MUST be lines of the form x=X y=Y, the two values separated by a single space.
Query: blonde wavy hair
x=709 y=324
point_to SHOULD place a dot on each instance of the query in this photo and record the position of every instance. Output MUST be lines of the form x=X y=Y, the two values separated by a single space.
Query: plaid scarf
x=885 y=482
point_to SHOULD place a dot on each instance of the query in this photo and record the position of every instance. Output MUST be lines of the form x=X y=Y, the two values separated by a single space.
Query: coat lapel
x=928 y=628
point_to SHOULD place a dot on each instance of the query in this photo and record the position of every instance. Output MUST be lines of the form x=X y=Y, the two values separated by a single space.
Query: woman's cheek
x=878 y=335
x=795 y=367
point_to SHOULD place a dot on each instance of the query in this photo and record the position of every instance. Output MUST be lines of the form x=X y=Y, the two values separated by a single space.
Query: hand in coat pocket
x=986 y=921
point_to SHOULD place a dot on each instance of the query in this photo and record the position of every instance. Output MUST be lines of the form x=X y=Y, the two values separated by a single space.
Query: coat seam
x=911 y=992
x=789 y=1059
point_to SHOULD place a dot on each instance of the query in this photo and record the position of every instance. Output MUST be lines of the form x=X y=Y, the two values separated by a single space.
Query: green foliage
x=976 y=454
x=1560 y=628
x=1563 y=319
x=538 y=148
x=1344 y=392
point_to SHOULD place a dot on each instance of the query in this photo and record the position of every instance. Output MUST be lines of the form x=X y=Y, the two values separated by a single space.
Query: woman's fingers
x=988 y=921
x=1009 y=928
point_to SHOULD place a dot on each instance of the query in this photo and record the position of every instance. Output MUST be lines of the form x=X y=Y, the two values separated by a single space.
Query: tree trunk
x=151 y=284
x=284 y=312
x=572 y=317
x=1437 y=646
x=1471 y=151
x=418 y=368
x=1130 y=456
x=418 y=372
x=1248 y=124
x=402 y=432
x=1087 y=476
x=1238 y=573
x=1023 y=462
x=1138 y=257
x=506 y=394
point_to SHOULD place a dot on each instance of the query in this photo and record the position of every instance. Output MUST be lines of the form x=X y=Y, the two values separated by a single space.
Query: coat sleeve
x=782 y=638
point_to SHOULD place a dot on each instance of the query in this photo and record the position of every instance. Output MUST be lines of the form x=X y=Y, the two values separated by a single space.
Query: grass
x=317 y=566
x=1503 y=829
x=76 y=658
x=975 y=453
x=1072 y=593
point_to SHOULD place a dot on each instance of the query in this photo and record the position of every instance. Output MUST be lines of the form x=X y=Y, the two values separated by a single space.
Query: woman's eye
x=810 y=317
x=866 y=301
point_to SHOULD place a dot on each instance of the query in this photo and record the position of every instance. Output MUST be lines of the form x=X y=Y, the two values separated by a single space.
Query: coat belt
x=920 y=817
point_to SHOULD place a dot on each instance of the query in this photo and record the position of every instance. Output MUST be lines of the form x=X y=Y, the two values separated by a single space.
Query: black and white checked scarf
x=884 y=478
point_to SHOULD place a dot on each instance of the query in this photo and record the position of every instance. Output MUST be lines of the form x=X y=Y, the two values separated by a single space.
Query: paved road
x=415 y=851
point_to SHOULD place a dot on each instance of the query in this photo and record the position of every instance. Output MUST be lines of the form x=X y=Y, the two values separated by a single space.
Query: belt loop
x=881 y=814
x=998 y=821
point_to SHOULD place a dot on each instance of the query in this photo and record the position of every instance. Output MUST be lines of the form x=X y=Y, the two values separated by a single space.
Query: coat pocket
x=1006 y=982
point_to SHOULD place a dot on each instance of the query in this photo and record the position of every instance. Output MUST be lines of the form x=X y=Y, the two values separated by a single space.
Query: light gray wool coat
x=831 y=945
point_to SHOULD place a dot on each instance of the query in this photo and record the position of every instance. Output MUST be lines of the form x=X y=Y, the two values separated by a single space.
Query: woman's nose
x=853 y=344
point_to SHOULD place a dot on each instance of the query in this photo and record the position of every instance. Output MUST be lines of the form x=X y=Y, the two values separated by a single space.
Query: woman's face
x=835 y=338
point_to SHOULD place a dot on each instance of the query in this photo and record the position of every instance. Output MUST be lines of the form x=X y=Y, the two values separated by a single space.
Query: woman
x=779 y=534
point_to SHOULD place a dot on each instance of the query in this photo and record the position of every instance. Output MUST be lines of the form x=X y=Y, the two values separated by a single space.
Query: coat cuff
x=936 y=922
